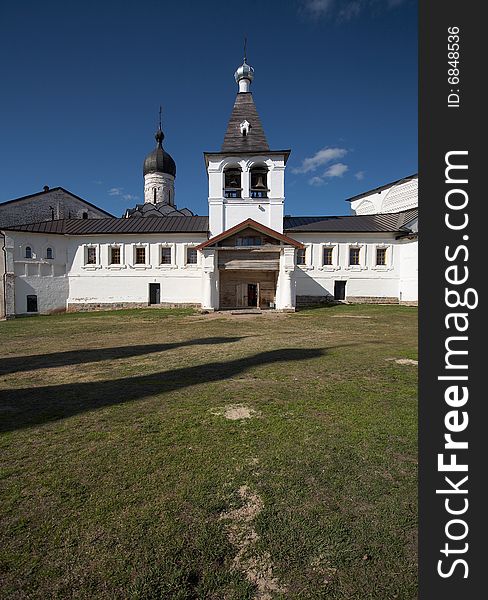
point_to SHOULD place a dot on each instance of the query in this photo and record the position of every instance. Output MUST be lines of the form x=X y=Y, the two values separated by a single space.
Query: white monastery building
x=245 y=254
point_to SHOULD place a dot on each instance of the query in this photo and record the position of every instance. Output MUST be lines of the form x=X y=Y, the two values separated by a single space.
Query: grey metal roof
x=380 y=223
x=381 y=187
x=234 y=141
x=102 y=226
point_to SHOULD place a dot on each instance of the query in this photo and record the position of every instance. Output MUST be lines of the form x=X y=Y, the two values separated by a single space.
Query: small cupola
x=159 y=161
x=244 y=74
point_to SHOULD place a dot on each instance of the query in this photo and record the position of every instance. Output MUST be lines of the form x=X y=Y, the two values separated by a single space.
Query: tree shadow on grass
x=34 y=406
x=17 y=364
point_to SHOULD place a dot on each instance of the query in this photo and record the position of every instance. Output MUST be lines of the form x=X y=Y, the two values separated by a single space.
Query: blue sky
x=335 y=81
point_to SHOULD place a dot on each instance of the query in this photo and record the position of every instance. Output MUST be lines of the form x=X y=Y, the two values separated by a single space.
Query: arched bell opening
x=259 y=181
x=232 y=182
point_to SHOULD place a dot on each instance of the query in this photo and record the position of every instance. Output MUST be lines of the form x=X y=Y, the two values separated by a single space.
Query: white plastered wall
x=365 y=280
x=129 y=283
x=39 y=276
x=224 y=213
x=398 y=197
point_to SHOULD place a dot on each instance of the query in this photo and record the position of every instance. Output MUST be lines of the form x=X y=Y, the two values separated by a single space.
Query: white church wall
x=224 y=213
x=395 y=198
x=128 y=283
x=35 y=274
x=409 y=271
x=365 y=281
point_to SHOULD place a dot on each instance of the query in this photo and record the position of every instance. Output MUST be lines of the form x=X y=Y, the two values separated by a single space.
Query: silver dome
x=244 y=72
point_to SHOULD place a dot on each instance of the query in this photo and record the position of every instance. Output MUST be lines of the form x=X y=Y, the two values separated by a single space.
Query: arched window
x=232 y=182
x=49 y=253
x=84 y=215
x=28 y=252
x=259 y=181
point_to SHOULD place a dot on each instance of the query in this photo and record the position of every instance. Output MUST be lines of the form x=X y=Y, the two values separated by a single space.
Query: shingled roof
x=100 y=226
x=379 y=223
x=255 y=141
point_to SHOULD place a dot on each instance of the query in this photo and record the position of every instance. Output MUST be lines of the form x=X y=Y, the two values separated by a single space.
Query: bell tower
x=245 y=179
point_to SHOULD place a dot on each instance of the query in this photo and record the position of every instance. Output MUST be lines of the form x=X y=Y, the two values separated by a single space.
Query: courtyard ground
x=159 y=454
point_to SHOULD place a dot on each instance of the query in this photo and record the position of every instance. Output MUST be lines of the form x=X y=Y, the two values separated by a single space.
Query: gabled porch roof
x=253 y=225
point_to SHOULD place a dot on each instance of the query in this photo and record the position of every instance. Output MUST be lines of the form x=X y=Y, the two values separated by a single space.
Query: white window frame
x=45 y=257
x=96 y=264
x=110 y=264
x=23 y=250
x=185 y=257
x=172 y=264
x=146 y=264
x=335 y=266
x=389 y=257
x=362 y=257
x=308 y=258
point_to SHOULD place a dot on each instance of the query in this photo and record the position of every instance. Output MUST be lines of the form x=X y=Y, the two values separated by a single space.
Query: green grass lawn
x=124 y=477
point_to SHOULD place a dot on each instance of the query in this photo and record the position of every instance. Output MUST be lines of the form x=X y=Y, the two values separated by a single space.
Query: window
x=49 y=253
x=232 y=182
x=191 y=256
x=91 y=255
x=28 y=252
x=380 y=257
x=32 y=303
x=165 y=256
x=140 y=257
x=259 y=182
x=84 y=215
x=301 y=256
x=115 y=255
x=354 y=256
x=249 y=240
x=327 y=258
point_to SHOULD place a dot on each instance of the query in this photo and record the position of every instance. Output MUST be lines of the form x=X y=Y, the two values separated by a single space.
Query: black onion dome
x=159 y=161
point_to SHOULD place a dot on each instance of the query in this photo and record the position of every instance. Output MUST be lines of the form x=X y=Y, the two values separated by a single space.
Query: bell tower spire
x=246 y=178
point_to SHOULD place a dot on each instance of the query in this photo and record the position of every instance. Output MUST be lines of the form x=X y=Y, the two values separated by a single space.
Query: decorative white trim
x=140 y=266
x=362 y=266
x=335 y=266
x=308 y=266
x=187 y=265
x=170 y=265
x=116 y=266
x=91 y=266
x=389 y=257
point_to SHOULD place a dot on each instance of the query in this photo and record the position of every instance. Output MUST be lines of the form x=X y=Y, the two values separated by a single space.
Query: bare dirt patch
x=258 y=569
x=351 y=317
x=234 y=412
x=404 y=361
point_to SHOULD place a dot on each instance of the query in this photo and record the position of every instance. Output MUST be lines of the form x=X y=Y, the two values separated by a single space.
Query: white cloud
x=336 y=170
x=320 y=158
x=350 y=10
x=345 y=10
x=316 y=8
x=316 y=181
x=119 y=191
x=359 y=175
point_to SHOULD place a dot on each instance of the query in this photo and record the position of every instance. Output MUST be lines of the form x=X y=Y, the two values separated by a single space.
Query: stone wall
x=371 y=300
x=304 y=301
x=42 y=207
x=93 y=306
